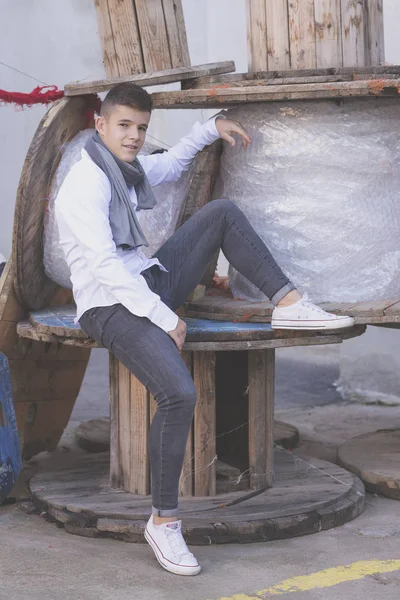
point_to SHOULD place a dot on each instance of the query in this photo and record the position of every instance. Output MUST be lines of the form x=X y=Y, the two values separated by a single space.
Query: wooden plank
x=124 y=427
x=257 y=35
x=204 y=424
x=261 y=407
x=139 y=437
x=153 y=32
x=352 y=73
x=149 y=79
x=374 y=33
x=328 y=33
x=217 y=97
x=176 y=32
x=277 y=34
x=115 y=460
x=126 y=38
x=353 y=25
x=201 y=83
x=302 y=34
x=110 y=59
x=186 y=479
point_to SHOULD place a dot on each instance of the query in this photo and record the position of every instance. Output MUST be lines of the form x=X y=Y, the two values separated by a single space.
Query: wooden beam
x=217 y=97
x=153 y=34
x=204 y=424
x=257 y=35
x=176 y=32
x=374 y=33
x=302 y=34
x=353 y=24
x=110 y=60
x=150 y=79
x=277 y=34
x=328 y=33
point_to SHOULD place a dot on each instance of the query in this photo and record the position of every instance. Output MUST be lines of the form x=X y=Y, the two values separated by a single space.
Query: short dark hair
x=127 y=94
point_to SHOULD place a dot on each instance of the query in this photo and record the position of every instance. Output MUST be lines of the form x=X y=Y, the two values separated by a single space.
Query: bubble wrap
x=158 y=224
x=320 y=183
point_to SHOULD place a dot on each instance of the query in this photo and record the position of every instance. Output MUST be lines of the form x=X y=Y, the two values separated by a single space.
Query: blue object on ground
x=10 y=452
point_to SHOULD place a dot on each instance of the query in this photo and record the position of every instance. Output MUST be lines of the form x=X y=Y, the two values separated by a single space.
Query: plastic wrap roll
x=158 y=224
x=321 y=185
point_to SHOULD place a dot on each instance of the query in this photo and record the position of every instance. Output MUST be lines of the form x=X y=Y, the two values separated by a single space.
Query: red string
x=37 y=96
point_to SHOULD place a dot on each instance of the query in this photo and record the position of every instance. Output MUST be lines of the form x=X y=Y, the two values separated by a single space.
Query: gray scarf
x=124 y=223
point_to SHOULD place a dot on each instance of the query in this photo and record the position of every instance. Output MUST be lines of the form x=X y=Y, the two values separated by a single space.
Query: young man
x=127 y=301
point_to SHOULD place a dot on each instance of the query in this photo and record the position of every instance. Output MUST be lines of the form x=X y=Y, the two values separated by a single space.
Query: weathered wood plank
x=139 y=437
x=153 y=34
x=257 y=35
x=126 y=36
x=176 y=32
x=374 y=33
x=328 y=33
x=115 y=459
x=353 y=73
x=353 y=24
x=204 y=424
x=277 y=34
x=149 y=79
x=124 y=427
x=196 y=84
x=218 y=97
x=302 y=34
x=110 y=59
x=257 y=420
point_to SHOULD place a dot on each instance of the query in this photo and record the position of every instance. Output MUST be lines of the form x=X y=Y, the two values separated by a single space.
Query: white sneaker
x=306 y=315
x=170 y=548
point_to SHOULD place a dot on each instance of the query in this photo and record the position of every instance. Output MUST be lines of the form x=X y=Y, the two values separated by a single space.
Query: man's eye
x=143 y=128
x=123 y=124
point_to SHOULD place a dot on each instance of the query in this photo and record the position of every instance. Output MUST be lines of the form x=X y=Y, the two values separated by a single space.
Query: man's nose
x=134 y=132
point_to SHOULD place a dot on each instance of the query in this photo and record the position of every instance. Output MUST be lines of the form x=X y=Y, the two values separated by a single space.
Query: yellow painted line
x=324 y=579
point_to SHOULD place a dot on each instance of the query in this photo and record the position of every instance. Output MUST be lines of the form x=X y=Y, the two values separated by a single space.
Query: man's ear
x=100 y=124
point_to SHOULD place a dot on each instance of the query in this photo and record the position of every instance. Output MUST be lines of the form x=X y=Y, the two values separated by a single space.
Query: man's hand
x=226 y=128
x=179 y=334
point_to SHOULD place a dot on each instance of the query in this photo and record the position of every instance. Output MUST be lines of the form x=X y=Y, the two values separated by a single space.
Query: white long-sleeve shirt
x=101 y=273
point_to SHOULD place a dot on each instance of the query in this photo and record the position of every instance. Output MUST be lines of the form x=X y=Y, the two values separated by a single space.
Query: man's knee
x=225 y=206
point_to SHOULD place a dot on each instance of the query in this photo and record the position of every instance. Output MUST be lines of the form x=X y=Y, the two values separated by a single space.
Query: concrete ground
x=42 y=562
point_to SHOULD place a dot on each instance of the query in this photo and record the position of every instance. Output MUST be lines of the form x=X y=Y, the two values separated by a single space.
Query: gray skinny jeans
x=152 y=356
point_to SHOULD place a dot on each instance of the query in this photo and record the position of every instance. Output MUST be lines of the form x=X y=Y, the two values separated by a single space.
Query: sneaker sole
x=313 y=325
x=166 y=564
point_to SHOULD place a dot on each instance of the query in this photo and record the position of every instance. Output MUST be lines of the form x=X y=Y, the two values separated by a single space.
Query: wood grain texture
x=176 y=33
x=115 y=458
x=261 y=408
x=257 y=35
x=46 y=378
x=328 y=33
x=375 y=458
x=127 y=38
x=139 y=438
x=221 y=97
x=204 y=424
x=304 y=500
x=302 y=34
x=110 y=59
x=60 y=124
x=149 y=79
x=374 y=33
x=277 y=34
x=153 y=33
x=353 y=34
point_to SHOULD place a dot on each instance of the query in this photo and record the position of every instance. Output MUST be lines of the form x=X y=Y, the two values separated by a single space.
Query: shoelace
x=176 y=542
x=306 y=302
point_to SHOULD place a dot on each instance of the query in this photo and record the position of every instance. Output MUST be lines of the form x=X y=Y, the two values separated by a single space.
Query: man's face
x=123 y=131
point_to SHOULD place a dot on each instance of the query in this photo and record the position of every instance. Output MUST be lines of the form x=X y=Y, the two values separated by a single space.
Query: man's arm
x=83 y=204
x=169 y=166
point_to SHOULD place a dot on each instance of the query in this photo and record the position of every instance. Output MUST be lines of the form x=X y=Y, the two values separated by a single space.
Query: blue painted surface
x=10 y=453
x=64 y=317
